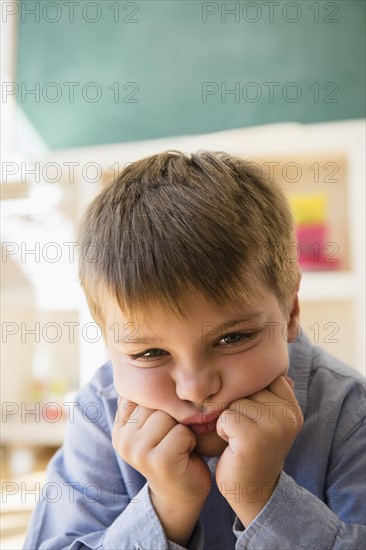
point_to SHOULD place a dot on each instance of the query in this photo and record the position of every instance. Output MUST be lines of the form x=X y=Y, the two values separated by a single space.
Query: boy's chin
x=210 y=444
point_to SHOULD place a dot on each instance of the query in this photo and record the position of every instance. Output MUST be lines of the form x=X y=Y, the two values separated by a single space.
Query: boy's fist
x=161 y=449
x=259 y=430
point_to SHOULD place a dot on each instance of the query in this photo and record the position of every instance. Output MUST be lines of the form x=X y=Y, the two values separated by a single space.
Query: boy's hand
x=161 y=449
x=260 y=430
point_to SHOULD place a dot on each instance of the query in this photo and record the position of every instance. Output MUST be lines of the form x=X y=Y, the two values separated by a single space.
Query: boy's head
x=185 y=267
x=173 y=224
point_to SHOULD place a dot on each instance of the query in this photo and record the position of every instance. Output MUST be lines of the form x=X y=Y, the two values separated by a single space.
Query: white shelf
x=319 y=286
x=33 y=434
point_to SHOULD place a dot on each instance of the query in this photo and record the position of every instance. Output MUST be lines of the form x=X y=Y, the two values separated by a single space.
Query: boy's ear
x=293 y=325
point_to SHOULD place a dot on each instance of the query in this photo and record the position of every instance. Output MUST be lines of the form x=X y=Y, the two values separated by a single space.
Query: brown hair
x=173 y=223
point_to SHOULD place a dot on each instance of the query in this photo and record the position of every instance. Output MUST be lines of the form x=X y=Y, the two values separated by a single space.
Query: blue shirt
x=94 y=500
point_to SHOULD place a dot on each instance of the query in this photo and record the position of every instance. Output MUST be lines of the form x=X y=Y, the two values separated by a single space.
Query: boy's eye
x=153 y=353
x=238 y=337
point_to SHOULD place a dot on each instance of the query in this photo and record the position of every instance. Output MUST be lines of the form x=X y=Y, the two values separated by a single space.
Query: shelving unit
x=332 y=302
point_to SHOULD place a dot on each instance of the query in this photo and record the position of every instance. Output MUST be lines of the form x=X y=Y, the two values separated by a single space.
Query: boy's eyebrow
x=222 y=326
x=249 y=317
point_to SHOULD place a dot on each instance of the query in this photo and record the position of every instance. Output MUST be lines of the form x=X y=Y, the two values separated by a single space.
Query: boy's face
x=193 y=369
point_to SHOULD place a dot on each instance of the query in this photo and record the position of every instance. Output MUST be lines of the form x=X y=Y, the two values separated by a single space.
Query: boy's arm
x=162 y=450
x=296 y=518
x=88 y=503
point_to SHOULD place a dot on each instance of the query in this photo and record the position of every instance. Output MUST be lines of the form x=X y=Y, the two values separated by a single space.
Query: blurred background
x=90 y=86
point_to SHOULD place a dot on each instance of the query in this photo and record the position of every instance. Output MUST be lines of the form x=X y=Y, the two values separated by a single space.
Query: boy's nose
x=197 y=385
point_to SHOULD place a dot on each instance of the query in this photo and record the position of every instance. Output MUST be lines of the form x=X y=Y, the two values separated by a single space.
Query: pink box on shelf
x=314 y=252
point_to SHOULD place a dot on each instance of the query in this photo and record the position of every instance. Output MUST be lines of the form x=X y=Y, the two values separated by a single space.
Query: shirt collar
x=301 y=358
x=108 y=392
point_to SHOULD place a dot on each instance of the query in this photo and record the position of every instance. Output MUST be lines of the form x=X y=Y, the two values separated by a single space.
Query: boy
x=216 y=424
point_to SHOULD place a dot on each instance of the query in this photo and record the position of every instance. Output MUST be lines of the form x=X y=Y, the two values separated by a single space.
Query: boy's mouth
x=202 y=423
x=202 y=429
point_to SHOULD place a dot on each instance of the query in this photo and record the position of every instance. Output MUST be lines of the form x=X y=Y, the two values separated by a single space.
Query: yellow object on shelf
x=309 y=209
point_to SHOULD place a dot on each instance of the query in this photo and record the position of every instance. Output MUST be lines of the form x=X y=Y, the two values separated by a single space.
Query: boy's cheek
x=123 y=382
x=261 y=375
x=139 y=387
x=126 y=388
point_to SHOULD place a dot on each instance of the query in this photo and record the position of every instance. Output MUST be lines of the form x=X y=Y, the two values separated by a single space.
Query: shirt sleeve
x=296 y=518
x=154 y=536
x=85 y=502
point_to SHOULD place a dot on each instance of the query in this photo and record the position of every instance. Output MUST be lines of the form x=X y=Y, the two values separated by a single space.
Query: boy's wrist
x=247 y=510
x=178 y=518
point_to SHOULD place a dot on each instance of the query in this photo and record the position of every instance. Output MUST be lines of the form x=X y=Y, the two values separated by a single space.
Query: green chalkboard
x=114 y=71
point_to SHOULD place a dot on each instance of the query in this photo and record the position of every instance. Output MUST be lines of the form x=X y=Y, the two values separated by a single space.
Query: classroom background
x=89 y=86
